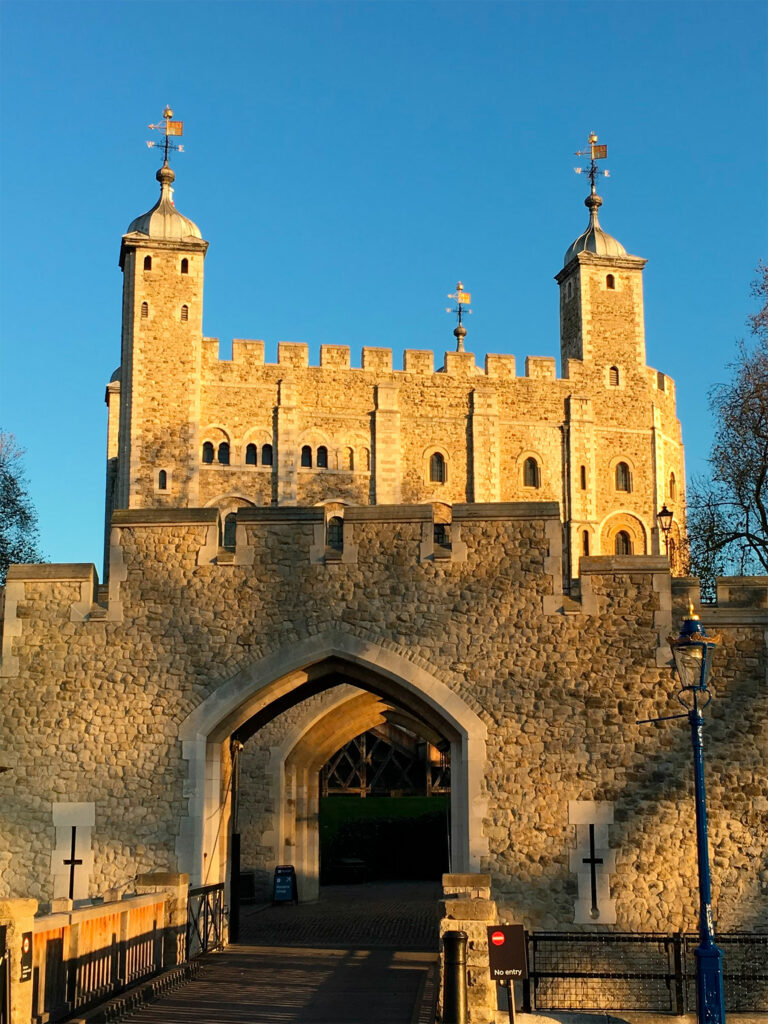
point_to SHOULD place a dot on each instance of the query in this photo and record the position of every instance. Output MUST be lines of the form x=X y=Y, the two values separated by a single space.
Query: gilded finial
x=462 y=300
x=170 y=128
x=595 y=153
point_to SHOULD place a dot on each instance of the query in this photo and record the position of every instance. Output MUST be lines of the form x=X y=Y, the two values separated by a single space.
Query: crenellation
x=377 y=359
x=501 y=367
x=248 y=350
x=460 y=364
x=292 y=353
x=336 y=356
x=540 y=367
x=418 y=361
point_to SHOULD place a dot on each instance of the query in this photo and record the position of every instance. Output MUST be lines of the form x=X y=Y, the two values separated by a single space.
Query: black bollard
x=455 y=978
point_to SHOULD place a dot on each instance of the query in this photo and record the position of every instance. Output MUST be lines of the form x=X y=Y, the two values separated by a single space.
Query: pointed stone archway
x=391 y=684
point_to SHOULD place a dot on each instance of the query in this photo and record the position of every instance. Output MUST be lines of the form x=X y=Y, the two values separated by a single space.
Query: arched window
x=185 y=266
x=224 y=453
x=184 y=314
x=306 y=457
x=147 y=262
x=441 y=537
x=365 y=460
x=610 y=282
x=347 y=458
x=208 y=452
x=623 y=543
x=585 y=543
x=334 y=533
x=144 y=310
x=583 y=477
x=162 y=480
x=672 y=485
x=250 y=455
x=322 y=457
x=266 y=455
x=623 y=477
x=613 y=376
x=436 y=468
x=531 y=473
x=230 y=531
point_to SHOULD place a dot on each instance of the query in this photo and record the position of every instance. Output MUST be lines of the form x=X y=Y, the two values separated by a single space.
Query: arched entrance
x=381 y=681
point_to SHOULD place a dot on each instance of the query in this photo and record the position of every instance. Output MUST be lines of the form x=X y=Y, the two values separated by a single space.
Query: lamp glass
x=693 y=664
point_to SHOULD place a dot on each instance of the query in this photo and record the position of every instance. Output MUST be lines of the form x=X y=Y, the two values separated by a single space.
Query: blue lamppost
x=693 y=651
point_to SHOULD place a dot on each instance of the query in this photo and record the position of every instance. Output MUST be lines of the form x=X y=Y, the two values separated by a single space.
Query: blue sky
x=348 y=163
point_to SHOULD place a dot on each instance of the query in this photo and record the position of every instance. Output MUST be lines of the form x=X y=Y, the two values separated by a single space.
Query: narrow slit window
x=610 y=282
x=230 y=531
x=224 y=453
x=185 y=266
x=208 y=452
x=147 y=262
x=585 y=543
x=613 y=376
x=623 y=478
x=184 y=314
x=306 y=457
x=672 y=486
x=250 y=455
x=144 y=310
x=440 y=536
x=437 y=468
x=322 y=457
x=266 y=455
x=583 y=478
x=531 y=475
x=623 y=543
x=334 y=533
x=162 y=480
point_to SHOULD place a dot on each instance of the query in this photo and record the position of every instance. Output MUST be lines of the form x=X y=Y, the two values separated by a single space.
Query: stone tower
x=158 y=385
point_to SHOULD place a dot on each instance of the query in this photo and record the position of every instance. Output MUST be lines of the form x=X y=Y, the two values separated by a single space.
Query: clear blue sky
x=348 y=162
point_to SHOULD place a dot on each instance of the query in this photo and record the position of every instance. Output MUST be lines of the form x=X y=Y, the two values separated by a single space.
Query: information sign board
x=284 y=887
x=26 y=956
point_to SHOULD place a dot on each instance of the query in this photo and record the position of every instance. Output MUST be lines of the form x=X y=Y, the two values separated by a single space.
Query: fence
x=639 y=971
x=205 y=920
x=83 y=957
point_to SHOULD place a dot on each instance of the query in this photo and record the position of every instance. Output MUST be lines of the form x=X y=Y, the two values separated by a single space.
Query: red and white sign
x=498 y=938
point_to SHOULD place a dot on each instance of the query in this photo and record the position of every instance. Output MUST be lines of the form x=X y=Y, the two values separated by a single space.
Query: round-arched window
x=531 y=475
x=623 y=543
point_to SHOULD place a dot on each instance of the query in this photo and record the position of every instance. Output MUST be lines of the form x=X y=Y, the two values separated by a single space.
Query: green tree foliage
x=18 y=518
x=728 y=510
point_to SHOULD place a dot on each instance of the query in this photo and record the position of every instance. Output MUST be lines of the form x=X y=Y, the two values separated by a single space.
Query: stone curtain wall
x=93 y=697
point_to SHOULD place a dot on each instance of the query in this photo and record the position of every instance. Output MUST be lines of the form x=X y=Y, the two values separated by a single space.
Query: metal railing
x=639 y=971
x=205 y=920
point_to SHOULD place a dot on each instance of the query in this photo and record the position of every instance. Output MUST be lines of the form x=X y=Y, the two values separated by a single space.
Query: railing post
x=679 y=1006
x=455 y=978
x=526 y=1007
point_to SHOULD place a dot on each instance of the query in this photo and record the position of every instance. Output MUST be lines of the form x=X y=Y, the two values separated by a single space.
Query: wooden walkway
x=361 y=955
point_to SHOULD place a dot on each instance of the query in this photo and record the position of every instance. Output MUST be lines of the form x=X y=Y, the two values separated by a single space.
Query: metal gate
x=205 y=920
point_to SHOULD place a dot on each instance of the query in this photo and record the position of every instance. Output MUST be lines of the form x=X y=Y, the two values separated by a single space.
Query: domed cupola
x=164 y=220
x=594 y=239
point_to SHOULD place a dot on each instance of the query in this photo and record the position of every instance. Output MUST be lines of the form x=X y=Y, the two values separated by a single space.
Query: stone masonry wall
x=93 y=697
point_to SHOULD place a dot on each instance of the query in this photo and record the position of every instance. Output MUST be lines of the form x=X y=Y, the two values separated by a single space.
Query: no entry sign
x=506 y=952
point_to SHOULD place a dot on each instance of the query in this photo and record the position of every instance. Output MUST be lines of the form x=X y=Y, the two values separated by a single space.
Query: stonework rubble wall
x=94 y=695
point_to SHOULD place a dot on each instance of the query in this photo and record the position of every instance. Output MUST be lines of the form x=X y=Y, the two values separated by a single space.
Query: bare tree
x=728 y=510
x=18 y=518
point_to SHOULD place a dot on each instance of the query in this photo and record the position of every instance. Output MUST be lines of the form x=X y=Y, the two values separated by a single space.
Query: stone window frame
x=168 y=480
x=313 y=439
x=214 y=434
x=184 y=266
x=228 y=504
x=623 y=538
x=611 y=283
x=615 y=462
x=184 y=313
x=616 y=521
x=259 y=438
x=609 y=372
x=321 y=552
x=522 y=460
x=672 y=486
x=426 y=455
x=144 y=310
x=147 y=263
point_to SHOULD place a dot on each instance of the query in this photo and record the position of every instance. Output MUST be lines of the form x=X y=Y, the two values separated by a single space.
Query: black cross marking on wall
x=74 y=861
x=592 y=860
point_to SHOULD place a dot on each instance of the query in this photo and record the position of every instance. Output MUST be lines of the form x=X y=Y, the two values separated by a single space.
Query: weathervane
x=462 y=300
x=594 y=153
x=170 y=128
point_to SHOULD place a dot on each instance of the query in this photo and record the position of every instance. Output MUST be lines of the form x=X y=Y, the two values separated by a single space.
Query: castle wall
x=94 y=696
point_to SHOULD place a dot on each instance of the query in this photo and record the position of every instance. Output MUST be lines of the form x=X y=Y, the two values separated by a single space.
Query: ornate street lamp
x=664 y=517
x=693 y=650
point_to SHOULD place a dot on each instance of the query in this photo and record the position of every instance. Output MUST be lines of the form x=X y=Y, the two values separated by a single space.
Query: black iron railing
x=205 y=920
x=639 y=971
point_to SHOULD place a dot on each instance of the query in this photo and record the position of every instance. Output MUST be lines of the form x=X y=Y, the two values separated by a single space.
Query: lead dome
x=594 y=239
x=164 y=220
